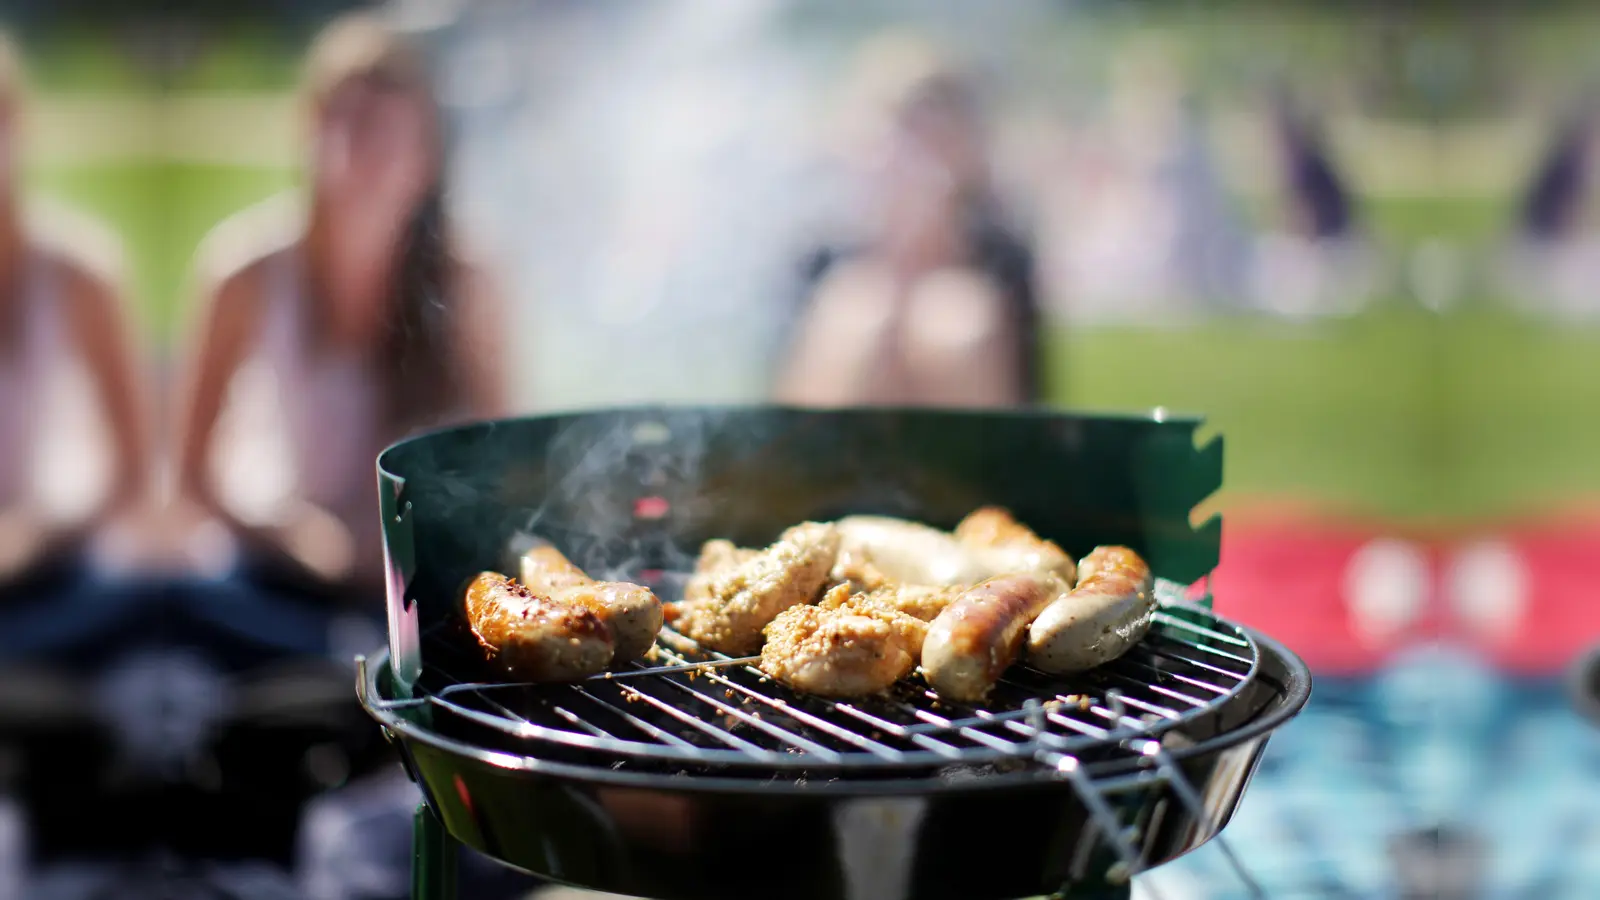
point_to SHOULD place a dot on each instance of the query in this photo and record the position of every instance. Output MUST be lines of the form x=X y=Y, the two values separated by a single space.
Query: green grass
x=1339 y=413
x=1522 y=409
x=240 y=57
x=1400 y=222
x=1396 y=414
x=162 y=210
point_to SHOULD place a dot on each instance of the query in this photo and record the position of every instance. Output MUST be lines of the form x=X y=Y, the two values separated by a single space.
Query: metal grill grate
x=695 y=707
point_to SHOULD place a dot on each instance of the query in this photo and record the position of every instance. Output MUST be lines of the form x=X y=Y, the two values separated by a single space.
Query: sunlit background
x=1405 y=384
x=658 y=198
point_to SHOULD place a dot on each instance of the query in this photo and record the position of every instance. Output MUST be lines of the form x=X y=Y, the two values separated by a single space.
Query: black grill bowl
x=957 y=834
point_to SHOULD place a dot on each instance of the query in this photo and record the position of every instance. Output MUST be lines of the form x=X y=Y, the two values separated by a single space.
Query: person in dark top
x=1555 y=197
x=936 y=305
x=1324 y=207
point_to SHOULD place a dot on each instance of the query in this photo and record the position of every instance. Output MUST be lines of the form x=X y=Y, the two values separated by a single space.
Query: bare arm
x=959 y=347
x=307 y=537
x=482 y=340
x=841 y=352
x=228 y=325
x=939 y=339
x=107 y=343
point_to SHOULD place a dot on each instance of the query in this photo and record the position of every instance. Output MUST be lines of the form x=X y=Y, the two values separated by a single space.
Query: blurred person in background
x=335 y=327
x=1552 y=205
x=935 y=304
x=1314 y=260
x=1320 y=203
x=74 y=493
x=1136 y=225
x=74 y=453
x=1555 y=258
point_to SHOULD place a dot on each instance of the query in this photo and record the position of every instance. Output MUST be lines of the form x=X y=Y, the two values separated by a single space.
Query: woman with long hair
x=335 y=321
x=335 y=325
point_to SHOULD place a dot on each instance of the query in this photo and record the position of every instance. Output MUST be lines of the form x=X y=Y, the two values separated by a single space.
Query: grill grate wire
x=694 y=706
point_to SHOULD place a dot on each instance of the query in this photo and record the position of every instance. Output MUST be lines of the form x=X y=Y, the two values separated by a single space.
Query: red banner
x=1347 y=595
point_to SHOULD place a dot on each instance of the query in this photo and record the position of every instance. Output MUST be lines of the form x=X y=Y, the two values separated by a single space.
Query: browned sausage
x=1108 y=612
x=631 y=611
x=1010 y=546
x=533 y=637
x=546 y=569
x=904 y=552
x=971 y=644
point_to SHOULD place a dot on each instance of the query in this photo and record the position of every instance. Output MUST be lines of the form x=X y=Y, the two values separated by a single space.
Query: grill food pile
x=837 y=609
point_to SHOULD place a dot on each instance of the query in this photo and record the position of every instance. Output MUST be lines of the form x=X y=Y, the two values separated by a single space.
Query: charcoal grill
x=691 y=776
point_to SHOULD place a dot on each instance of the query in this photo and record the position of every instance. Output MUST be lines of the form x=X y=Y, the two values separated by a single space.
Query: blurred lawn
x=1397 y=413
x=1338 y=413
x=162 y=210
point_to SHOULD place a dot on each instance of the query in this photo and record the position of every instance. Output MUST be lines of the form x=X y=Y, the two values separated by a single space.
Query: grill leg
x=433 y=858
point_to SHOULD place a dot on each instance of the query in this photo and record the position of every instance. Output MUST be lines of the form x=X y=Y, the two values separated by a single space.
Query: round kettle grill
x=693 y=776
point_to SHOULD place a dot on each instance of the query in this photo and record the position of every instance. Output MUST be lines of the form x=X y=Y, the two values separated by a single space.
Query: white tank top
x=22 y=371
x=300 y=422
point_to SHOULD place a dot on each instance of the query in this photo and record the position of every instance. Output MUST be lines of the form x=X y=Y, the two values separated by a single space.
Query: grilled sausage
x=909 y=552
x=1107 y=613
x=987 y=543
x=971 y=644
x=1007 y=545
x=631 y=611
x=533 y=637
x=546 y=570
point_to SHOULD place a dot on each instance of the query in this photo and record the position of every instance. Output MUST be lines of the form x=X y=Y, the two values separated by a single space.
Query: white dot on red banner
x=1386 y=586
x=1486 y=586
